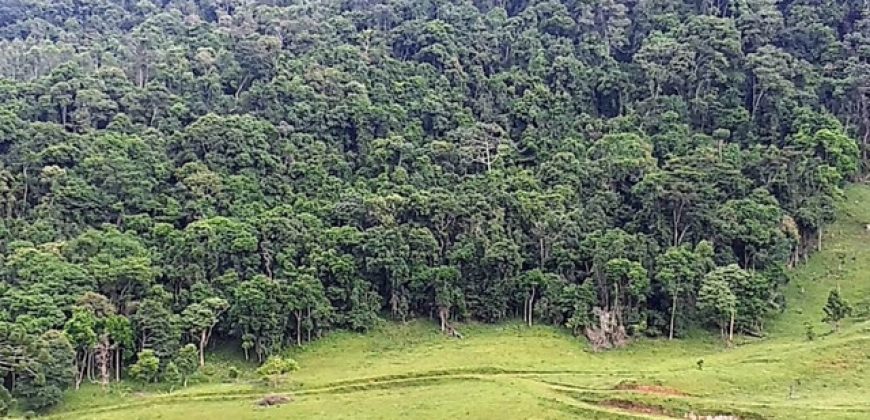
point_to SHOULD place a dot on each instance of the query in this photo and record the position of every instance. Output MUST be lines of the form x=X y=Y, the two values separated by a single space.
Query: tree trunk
x=525 y=311
x=102 y=360
x=202 y=342
x=677 y=213
x=821 y=234
x=756 y=103
x=242 y=85
x=731 y=327
x=24 y=199
x=616 y=310
x=82 y=370
x=531 y=306
x=90 y=367
x=443 y=314
x=298 y=328
x=673 y=317
x=267 y=263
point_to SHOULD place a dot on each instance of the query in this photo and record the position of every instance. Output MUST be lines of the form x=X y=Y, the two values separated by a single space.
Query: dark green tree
x=836 y=309
x=147 y=367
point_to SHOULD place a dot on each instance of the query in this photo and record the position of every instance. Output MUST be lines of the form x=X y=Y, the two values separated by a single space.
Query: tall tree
x=679 y=271
x=200 y=319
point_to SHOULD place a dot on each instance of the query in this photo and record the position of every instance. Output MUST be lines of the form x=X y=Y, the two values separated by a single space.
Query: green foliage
x=5 y=401
x=80 y=329
x=836 y=309
x=171 y=374
x=680 y=273
x=207 y=171
x=275 y=368
x=187 y=362
x=43 y=366
x=38 y=396
x=147 y=367
x=157 y=325
x=510 y=357
x=120 y=330
x=715 y=297
x=257 y=313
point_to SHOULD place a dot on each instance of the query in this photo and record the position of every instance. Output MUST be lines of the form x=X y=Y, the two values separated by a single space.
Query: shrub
x=146 y=368
x=276 y=367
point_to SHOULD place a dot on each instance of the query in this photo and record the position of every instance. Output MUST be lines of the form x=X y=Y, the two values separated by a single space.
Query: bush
x=276 y=367
x=146 y=368
x=38 y=397
x=810 y=331
x=171 y=375
x=233 y=373
x=187 y=362
x=5 y=401
x=209 y=370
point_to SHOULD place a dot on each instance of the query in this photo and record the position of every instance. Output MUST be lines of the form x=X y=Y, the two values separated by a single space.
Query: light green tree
x=275 y=368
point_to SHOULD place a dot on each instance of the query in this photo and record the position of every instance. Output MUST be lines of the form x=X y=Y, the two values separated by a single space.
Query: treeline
x=263 y=172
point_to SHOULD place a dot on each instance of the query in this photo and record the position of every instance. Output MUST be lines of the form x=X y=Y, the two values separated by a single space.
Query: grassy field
x=515 y=372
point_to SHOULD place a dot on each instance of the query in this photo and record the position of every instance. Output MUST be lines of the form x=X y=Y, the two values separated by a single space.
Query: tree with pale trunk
x=680 y=270
x=200 y=320
x=717 y=300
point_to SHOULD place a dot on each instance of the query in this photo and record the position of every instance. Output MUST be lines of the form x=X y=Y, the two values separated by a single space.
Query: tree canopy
x=262 y=172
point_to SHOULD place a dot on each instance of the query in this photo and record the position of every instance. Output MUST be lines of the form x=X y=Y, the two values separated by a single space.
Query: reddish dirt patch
x=836 y=365
x=634 y=407
x=652 y=390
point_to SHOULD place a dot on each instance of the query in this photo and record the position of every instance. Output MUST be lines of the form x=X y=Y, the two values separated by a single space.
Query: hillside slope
x=512 y=371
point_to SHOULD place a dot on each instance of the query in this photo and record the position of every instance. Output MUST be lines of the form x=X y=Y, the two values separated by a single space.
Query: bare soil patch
x=273 y=401
x=654 y=410
x=634 y=407
x=652 y=390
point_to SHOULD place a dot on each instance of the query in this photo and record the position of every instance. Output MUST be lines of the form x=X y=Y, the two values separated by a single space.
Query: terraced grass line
x=495 y=371
x=341 y=387
x=584 y=394
x=699 y=405
x=370 y=383
x=572 y=406
x=230 y=396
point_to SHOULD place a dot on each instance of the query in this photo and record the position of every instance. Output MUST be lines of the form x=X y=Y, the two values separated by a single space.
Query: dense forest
x=175 y=173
